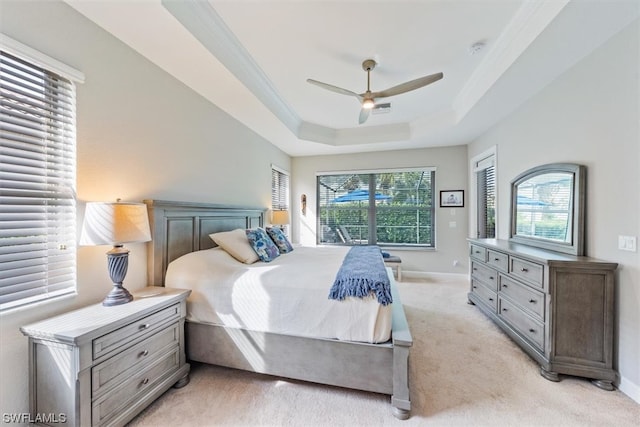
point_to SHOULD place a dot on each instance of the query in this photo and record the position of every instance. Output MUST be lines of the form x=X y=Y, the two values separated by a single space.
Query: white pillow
x=236 y=244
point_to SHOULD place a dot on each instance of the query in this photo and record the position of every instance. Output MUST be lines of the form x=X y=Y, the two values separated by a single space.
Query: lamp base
x=118 y=295
x=118 y=262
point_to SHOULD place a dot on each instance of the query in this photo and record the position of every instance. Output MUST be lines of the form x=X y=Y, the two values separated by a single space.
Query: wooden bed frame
x=182 y=227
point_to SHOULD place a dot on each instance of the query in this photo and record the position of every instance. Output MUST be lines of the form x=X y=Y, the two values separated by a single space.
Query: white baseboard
x=630 y=388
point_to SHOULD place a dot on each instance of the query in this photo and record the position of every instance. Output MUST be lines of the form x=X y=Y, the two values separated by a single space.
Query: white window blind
x=37 y=183
x=279 y=189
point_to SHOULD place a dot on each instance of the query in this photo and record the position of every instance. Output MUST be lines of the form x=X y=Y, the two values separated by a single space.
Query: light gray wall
x=141 y=134
x=451 y=174
x=590 y=115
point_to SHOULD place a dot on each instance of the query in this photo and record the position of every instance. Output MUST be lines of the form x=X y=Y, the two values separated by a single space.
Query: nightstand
x=103 y=365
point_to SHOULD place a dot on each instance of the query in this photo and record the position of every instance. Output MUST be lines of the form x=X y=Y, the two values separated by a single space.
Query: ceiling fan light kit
x=368 y=98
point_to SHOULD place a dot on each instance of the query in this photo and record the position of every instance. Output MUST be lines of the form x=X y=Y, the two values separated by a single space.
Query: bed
x=182 y=228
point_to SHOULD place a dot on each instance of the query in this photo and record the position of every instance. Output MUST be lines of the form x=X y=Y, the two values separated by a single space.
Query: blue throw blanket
x=362 y=272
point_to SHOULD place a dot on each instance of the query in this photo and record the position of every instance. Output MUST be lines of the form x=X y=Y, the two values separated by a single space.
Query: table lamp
x=280 y=218
x=115 y=224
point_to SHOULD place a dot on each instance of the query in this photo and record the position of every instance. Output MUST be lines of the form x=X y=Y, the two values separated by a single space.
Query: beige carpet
x=464 y=372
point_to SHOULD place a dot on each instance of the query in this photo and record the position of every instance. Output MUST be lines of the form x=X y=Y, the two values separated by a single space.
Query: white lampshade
x=280 y=217
x=115 y=224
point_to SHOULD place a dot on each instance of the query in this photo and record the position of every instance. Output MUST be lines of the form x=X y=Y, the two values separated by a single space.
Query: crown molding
x=529 y=22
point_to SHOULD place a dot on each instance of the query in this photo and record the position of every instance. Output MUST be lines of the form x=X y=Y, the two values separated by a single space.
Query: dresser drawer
x=478 y=252
x=531 y=329
x=133 y=331
x=485 y=274
x=117 y=369
x=111 y=404
x=498 y=260
x=528 y=271
x=486 y=295
x=530 y=300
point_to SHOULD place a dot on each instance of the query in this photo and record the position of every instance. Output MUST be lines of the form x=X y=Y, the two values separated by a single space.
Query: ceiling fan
x=368 y=98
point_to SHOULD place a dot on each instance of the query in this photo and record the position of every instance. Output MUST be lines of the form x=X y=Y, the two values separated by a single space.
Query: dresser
x=103 y=365
x=558 y=308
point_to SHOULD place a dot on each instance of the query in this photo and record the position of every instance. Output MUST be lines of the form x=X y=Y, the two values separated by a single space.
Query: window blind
x=279 y=190
x=486 y=181
x=37 y=177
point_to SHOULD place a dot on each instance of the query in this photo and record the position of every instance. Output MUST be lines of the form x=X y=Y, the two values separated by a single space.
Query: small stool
x=395 y=263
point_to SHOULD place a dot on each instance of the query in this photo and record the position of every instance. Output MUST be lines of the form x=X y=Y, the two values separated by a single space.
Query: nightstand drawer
x=133 y=331
x=485 y=274
x=111 y=404
x=528 y=327
x=529 y=299
x=117 y=369
x=527 y=271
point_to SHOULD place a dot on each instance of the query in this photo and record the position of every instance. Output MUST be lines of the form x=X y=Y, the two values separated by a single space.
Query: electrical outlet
x=627 y=243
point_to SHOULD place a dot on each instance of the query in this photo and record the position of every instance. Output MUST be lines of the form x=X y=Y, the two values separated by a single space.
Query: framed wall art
x=452 y=199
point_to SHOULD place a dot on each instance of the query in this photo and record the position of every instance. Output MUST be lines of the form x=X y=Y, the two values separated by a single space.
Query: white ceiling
x=251 y=58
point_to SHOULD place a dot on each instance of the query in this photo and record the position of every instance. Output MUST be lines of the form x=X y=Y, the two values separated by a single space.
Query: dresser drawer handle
x=475 y=287
x=532 y=301
x=524 y=270
x=475 y=269
x=490 y=299
x=477 y=252
x=144 y=381
x=496 y=259
x=143 y=353
x=144 y=326
x=504 y=286
x=532 y=331
x=491 y=277
x=504 y=309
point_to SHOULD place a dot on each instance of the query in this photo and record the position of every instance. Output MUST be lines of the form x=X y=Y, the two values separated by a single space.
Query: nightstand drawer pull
x=143 y=353
x=532 y=301
x=144 y=326
x=145 y=381
x=504 y=309
x=524 y=270
x=532 y=330
x=504 y=286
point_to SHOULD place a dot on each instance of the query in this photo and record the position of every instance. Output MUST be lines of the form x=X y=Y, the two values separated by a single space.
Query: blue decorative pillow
x=281 y=241
x=263 y=245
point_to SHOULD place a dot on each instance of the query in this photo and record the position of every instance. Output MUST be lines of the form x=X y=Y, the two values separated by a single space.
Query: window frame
x=479 y=163
x=372 y=226
x=38 y=128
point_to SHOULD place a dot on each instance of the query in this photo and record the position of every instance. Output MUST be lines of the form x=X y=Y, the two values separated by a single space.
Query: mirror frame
x=576 y=246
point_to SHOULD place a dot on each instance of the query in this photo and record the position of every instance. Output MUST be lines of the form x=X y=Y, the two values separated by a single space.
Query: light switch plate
x=627 y=243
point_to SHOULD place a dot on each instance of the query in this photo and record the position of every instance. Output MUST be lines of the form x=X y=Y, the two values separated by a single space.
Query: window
x=387 y=208
x=279 y=189
x=37 y=183
x=486 y=196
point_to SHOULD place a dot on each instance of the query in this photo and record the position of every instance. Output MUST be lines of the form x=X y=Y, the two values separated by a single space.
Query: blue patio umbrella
x=528 y=201
x=358 y=196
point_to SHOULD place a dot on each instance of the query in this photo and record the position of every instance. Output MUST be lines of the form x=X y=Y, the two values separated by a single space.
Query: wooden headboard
x=178 y=228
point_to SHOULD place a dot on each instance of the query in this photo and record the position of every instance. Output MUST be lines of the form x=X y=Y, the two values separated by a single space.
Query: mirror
x=547 y=208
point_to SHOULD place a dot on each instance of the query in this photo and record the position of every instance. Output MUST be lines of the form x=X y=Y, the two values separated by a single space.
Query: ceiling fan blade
x=333 y=88
x=364 y=115
x=408 y=86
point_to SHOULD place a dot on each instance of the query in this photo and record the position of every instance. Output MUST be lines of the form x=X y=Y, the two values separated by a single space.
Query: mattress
x=288 y=295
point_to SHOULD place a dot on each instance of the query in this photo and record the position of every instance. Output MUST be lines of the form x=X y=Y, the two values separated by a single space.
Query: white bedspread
x=288 y=295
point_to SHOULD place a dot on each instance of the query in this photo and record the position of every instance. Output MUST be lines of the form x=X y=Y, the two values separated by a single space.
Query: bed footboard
x=402 y=341
x=313 y=359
